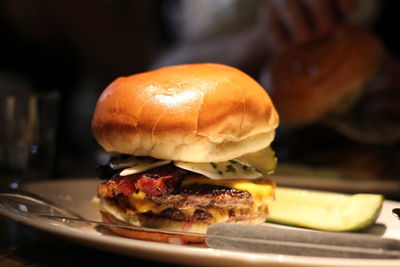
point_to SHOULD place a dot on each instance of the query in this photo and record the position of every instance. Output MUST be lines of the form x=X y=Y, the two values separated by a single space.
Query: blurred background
x=77 y=48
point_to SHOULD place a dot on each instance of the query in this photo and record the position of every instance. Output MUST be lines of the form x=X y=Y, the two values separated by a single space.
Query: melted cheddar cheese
x=261 y=190
x=139 y=202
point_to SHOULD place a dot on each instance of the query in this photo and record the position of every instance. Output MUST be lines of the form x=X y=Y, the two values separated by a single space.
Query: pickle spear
x=263 y=160
x=324 y=210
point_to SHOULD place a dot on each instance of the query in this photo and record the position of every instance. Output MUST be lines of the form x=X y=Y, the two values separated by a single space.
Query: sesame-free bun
x=153 y=235
x=195 y=113
x=307 y=82
x=194 y=227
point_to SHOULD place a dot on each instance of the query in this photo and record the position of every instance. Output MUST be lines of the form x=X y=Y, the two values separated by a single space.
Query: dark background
x=78 y=47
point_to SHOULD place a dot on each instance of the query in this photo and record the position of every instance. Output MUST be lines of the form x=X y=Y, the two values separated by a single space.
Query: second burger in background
x=193 y=148
x=328 y=76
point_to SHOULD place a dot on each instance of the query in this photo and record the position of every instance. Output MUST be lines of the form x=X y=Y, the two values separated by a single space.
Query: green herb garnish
x=214 y=165
x=230 y=168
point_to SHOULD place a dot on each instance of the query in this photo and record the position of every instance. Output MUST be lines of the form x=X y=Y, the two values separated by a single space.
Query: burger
x=327 y=77
x=190 y=146
x=325 y=93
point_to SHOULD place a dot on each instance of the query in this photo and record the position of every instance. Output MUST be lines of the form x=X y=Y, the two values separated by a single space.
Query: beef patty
x=205 y=196
x=192 y=203
x=195 y=202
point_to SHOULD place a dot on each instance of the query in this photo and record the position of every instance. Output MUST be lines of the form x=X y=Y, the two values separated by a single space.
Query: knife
x=278 y=240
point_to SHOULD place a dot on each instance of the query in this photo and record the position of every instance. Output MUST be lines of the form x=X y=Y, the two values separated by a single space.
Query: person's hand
x=301 y=21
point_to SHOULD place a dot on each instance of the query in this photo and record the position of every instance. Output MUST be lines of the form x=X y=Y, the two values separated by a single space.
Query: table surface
x=23 y=246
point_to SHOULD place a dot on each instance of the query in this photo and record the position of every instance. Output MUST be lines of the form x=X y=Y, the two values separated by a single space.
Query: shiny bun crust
x=195 y=113
x=308 y=82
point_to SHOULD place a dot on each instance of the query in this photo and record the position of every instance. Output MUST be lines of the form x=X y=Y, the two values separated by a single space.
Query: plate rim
x=219 y=257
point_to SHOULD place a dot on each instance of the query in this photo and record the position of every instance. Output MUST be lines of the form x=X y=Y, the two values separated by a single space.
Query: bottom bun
x=149 y=235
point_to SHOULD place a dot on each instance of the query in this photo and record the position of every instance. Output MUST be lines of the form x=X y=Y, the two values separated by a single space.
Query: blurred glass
x=27 y=136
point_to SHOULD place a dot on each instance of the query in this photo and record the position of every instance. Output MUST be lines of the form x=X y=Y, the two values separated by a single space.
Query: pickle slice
x=264 y=160
x=324 y=210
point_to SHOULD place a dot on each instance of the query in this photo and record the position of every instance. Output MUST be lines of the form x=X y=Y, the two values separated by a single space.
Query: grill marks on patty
x=233 y=215
x=201 y=197
x=205 y=196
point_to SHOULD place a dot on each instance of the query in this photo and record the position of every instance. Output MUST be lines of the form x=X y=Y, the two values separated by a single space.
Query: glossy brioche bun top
x=195 y=113
x=308 y=82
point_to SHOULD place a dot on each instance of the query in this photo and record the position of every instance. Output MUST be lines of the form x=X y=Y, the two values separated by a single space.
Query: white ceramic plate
x=75 y=195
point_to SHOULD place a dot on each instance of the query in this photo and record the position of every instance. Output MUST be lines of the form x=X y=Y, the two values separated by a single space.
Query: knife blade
x=279 y=240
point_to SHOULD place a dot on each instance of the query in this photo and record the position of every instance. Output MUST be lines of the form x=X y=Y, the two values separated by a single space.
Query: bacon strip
x=157 y=186
x=155 y=182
